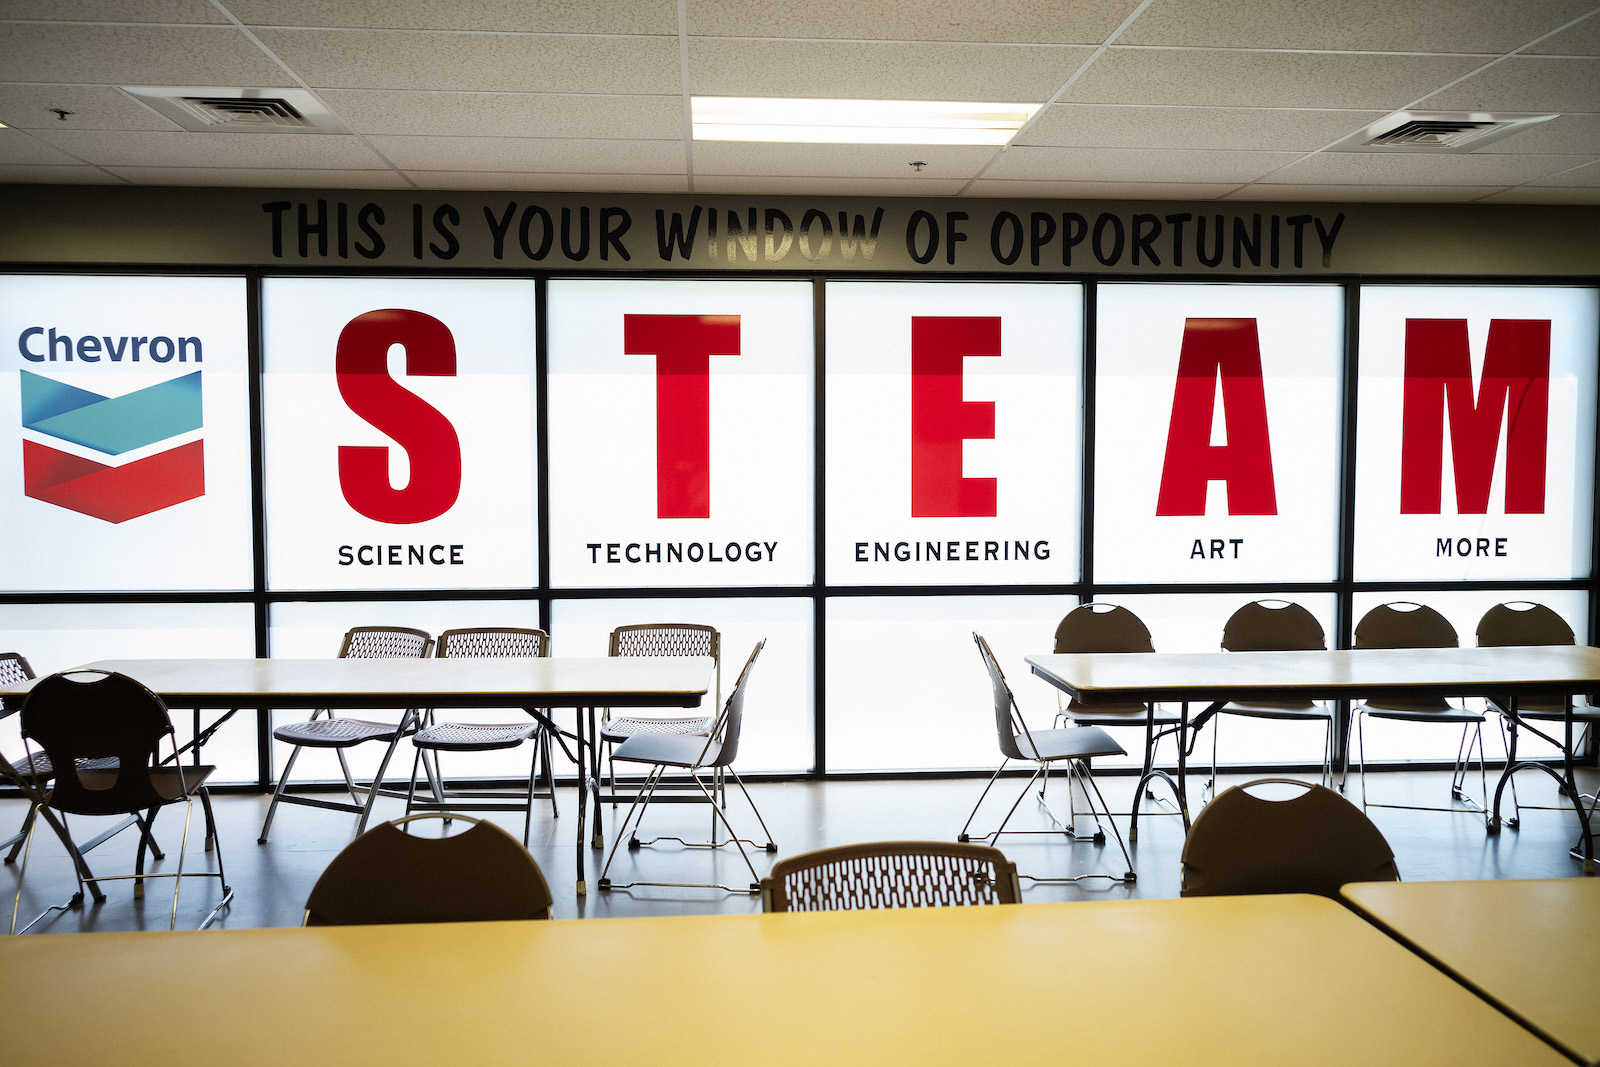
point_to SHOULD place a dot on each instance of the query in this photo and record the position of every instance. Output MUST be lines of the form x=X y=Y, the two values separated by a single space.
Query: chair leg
x=962 y=836
x=641 y=800
x=277 y=794
x=770 y=847
x=377 y=784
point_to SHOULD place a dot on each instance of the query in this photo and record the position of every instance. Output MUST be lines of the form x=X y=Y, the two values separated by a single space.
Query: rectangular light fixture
x=734 y=118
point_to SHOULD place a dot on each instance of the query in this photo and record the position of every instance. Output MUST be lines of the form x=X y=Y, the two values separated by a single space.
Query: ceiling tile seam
x=1235 y=49
x=1495 y=62
x=67 y=152
x=445 y=31
x=1060 y=91
x=270 y=54
x=685 y=96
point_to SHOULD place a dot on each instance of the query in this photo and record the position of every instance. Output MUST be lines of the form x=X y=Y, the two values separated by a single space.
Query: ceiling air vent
x=213 y=109
x=1436 y=132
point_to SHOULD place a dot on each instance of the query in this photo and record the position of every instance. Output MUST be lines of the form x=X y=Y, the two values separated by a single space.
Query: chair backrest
x=95 y=715
x=389 y=876
x=669 y=639
x=1008 y=721
x=730 y=721
x=1273 y=626
x=891 y=874
x=1522 y=622
x=385 y=642
x=1404 y=624
x=1311 y=843
x=1102 y=628
x=14 y=668
x=486 y=642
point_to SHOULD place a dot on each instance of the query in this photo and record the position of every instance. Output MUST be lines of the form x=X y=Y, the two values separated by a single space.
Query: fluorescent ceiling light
x=732 y=118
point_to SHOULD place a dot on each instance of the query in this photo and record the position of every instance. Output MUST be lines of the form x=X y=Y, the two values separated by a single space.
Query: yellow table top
x=1530 y=946
x=1238 y=981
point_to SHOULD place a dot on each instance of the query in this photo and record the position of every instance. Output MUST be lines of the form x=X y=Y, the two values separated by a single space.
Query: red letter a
x=1228 y=348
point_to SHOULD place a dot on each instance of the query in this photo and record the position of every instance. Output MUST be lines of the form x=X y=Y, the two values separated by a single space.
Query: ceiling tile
x=1582 y=40
x=988 y=187
x=752 y=185
x=1526 y=84
x=1537 y=194
x=1135 y=165
x=1008 y=21
x=506 y=114
x=1214 y=128
x=19 y=147
x=182 y=149
x=949 y=162
x=134 y=55
x=1362 y=194
x=1566 y=134
x=1358 y=168
x=1585 y=175
x=1375 y=25
x=479 y=62
x=496 y=181
x=853 y=71
x=528 y=16
x=93 y=107
x=544 y=154
x=264 y=178
x=166 y=12
x=1263 y=79
x=48 y=175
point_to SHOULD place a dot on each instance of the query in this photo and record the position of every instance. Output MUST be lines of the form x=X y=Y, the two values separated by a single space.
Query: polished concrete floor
x=271 y=881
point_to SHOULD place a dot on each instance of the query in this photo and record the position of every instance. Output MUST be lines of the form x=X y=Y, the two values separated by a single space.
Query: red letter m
x=1515 y=392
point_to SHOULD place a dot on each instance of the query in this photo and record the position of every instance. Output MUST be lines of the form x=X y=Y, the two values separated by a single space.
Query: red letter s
x=362 y=368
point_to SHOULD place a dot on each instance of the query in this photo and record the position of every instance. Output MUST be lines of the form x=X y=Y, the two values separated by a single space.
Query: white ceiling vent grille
x=1436 y=131
x=213 y=109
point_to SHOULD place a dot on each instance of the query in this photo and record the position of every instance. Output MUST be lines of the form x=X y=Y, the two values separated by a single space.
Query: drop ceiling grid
x=520 y=91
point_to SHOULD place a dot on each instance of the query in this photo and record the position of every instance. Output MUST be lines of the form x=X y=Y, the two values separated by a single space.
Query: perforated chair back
x=665 y=639
x=1273 y=626
x=1311 y=843
x=1008 y=723
x=730 y=722
x=14 y=668
x=492 y=642
x=891 y=874
x=84 y=715
x=389 y=876
x=1522 y=622
x=1102 y=628
x=1405 y=624
x=385 y=642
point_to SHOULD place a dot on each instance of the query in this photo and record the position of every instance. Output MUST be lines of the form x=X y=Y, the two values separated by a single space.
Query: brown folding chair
x=84 y=718
x=891 y=874
x=325 y=730
x=1405 y=624
x=388 y=875
x=1313 y=842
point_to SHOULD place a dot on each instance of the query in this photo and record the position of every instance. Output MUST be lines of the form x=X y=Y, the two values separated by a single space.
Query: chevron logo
x=112 y=426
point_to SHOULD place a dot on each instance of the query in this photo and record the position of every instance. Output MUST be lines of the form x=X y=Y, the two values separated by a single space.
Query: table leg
x=1584 y=849
x=599 y=838
x=583 y=799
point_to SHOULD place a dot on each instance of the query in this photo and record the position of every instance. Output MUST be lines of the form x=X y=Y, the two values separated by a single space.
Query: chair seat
x=621 y=728
x=1074 y=742
x=170 y=782
x=1549 y=712
x=1278 y=709
x=1404 y=713
x=36 y=768
x=673 y=750
x=472 y=737
x=1118 y=714
x=335 y=733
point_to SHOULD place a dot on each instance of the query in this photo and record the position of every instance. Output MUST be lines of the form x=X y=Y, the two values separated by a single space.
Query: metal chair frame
x=718 y=751
x=325 y=730
x=664 y=639
x=1073 y=745
x=891 y=874
x=436 y=737
x=1387 y=619
x=124 y=722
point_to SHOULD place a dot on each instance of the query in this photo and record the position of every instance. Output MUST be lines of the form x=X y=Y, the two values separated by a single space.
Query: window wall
x=866 y=472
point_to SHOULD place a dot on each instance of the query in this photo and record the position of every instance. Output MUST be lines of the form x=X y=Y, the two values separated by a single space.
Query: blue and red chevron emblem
x=112 y=426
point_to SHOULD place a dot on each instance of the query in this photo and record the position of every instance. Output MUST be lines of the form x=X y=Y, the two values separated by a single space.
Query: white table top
x=1240 y=981
x=1529 y=946
x=1372 y=672
x=620 y=681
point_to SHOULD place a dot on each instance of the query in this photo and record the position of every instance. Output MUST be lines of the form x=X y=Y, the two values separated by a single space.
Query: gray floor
x=271 y=881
